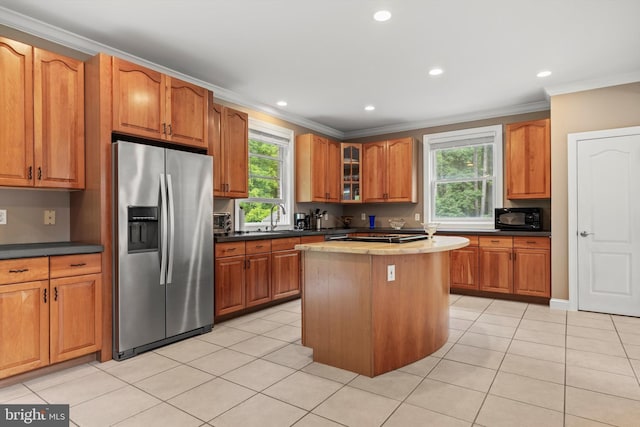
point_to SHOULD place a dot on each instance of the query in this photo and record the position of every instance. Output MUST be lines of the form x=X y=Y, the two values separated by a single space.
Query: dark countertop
x=29 y=250
x=257 y=235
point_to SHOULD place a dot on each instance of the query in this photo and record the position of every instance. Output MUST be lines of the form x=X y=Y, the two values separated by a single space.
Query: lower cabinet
x=258 y=272
x=285 y=268
x=464 y=265
x=496 y=266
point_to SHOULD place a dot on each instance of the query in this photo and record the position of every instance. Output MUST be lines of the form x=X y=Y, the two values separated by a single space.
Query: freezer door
x=139 y=299
x=189 y=286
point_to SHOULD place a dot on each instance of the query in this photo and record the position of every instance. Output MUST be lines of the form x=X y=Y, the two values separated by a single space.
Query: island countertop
x=437 y=244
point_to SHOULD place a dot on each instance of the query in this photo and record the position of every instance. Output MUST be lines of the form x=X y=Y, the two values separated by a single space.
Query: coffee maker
x=301 y=221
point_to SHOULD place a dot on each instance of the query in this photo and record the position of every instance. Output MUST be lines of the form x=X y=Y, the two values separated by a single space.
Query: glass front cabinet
x=351 y=173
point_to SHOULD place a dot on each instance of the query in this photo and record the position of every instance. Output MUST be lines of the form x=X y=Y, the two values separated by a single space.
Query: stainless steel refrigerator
x=163 y=246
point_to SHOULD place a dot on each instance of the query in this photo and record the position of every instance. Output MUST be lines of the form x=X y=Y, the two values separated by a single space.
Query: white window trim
x=435 y=139
x=287 y=174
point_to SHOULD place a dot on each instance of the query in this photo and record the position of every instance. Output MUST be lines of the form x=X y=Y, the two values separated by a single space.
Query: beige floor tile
x=460 y=324
x=313 y=420
x=550 y=315
x=573 y=421
x=630 y=320
x=421 y=367
x=29 y=399
x=534 y=368
x=603 y=382
x=292 y=356
x=282 y=316
x=636 y=366
x=112 y=407
x=82 y=389
x=542 y=326
x=604 y=408
x=539 y=337
x=303 y=390
x=633 y=351
x=475 y=356
x=329 y=372
x=293 y=305
x=453 y=298
x=595 y=346
x=472 y=303
x=225 y=336
x=537 y=351
x=354 y=407
x=258 y=326
x=627 y=327
x=211 y=399
x=454 y=335
x=499 y=412
x=529 y=390
x=629 y=338
x=600 y=362
x=258 y=375
x=448 y=399
x=258 y=346
x=222 y=361
x=168 y=384
x=409 y=415
x=188 y=350
x=243 y=319
x=297 y=323
x=442 y=350
x=580 y=315
x=260 y=411
x=495 y=330
x=161 y=415
x=593 y=333
x=464 y=375
x=142 y=366
x=456 y=313
x=495 y=319
x=286 y=333
x=63 y=376
x=590 y=320
x=395 y=384
x=13 y=392
x=507 y=308
x=485 y=341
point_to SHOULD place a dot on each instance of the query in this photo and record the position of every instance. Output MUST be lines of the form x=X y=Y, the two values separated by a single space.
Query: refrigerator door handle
x=163 y=230
x=172 y=229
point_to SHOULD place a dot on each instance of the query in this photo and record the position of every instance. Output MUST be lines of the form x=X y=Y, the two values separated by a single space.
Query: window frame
x=462 y=138
x=286 y=175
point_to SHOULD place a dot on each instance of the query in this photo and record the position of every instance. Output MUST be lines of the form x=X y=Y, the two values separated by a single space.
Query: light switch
x=416 y=217
x=391 y=273
x=363 y=216
x=3 y=216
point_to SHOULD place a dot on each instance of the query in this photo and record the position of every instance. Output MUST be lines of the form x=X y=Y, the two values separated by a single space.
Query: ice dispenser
x=143 y=228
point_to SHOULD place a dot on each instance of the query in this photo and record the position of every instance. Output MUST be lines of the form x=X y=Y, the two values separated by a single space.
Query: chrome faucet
x=284 y=212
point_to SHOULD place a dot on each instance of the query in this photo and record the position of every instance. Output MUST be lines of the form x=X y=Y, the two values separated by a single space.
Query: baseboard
x=559 y=304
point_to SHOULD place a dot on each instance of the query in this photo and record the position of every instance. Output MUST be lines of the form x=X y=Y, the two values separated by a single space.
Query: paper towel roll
x=240 y=219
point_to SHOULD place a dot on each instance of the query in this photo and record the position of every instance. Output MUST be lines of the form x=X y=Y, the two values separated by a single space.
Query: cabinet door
x=76 y=316
x=400 y=177
x=138 y=100
x=374 y=172
x=320 y=166
x=16 y=120
x=528 y=160
x=216 y=149
x=496 y=270
x=285 y=273
x=236 y=136
x=332 y=173
x=464 y=268
x=258 y=279
x=229 y=285
x=532 y=272
x=24 y=327
x=59 y=132
x=186 y=113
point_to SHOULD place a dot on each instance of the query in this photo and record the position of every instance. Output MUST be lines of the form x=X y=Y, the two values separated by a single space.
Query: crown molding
x=598 y=83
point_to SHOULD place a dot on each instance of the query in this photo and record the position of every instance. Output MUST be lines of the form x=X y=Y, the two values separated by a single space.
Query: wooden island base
x=354 y=318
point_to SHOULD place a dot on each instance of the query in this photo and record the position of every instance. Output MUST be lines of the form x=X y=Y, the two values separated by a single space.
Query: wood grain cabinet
x=150 y=104
x=496 y=266
x=285 y=268
x=257 y=272
x=229 y=277
x=42 y=142
x=390 y=171
x=318 y=164
x=528 y=160
x=464 y=266
x=229 y=146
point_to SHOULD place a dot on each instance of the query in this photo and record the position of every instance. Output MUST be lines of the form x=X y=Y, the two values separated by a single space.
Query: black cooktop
x=388 y=238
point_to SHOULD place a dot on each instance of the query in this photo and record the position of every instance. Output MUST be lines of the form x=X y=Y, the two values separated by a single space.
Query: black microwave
x=526 y=219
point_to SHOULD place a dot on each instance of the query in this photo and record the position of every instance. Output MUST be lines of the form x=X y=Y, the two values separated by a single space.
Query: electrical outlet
x=3 y=216
x=363 y=216
x=326 y=217
x=49 y=217
x=391 y=273
x=416 y=217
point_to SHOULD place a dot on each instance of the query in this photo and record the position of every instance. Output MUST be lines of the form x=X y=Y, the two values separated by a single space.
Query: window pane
x=257 y=212
x=261 y=167
x=264 y=148
x=264 y=188
x=466 y=199
x=464 y=162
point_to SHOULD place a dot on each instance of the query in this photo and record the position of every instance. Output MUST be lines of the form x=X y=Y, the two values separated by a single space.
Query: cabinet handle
x=531 y=242
x=20 y=270
x=81 y=264
x=170 y=129
x=30 y=173
x=230 y=250
x=164 y=128
x=55 y=293
x=45 y=296
x=248 y=263
x=495 y=241
x=259 y=246
x=39 y=173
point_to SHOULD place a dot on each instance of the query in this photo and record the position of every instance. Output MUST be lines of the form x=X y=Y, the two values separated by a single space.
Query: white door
x=608 y=223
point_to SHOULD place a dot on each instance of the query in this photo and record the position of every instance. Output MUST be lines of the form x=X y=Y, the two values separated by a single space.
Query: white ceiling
x=329 y=58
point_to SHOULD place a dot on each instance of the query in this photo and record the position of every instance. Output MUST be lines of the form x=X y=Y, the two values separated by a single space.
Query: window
x=463 y=177
x=270 y=176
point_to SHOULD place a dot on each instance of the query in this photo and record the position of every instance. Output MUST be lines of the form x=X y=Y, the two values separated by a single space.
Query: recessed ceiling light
x=369 y=108
x=282 y=103
x=382 y=15
x=545 y=73
x=435 y=71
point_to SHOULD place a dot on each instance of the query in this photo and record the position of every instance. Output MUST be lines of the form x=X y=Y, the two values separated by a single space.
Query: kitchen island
x=374 y=307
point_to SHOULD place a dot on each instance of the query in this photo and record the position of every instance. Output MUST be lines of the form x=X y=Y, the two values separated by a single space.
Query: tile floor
x=505 y=364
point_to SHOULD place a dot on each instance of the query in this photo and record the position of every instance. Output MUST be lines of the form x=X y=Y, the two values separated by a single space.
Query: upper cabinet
x=229 y=146
x=150 y=104
x=528 y=160
x=42 y=124
x=390 y=171
x=318 y=162
x=351 y=173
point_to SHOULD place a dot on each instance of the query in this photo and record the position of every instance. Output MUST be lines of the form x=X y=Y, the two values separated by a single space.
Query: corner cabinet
x=390 y=171
x=42 y=143
x=318 y=161
x=229 y=146
x=150 y=104
x=528 y=160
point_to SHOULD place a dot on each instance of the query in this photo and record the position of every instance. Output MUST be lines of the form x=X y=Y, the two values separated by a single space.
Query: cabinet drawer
x=532 y=242
x=229 y=249
x=311 y=239
x=257 y=246
x=496 y=242
x=284 y=244
x=24 y=270
x=473 y=240
x=74 y=265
